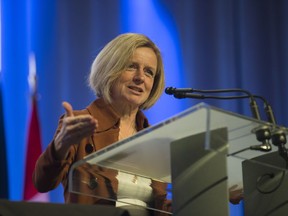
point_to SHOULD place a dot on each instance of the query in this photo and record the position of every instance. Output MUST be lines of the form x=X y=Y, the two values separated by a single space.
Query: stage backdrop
x=206 y=44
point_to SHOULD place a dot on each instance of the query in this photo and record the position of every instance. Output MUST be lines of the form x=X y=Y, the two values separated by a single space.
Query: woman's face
x=134 y=85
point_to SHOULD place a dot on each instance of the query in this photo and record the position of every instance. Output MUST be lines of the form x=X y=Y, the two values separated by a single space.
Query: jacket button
x=89 y=148
x=93 y=183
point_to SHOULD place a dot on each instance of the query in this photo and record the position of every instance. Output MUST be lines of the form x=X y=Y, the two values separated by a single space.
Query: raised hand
x=73 y=130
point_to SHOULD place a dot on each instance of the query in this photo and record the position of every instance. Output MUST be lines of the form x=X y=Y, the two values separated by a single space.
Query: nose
x=139 y=76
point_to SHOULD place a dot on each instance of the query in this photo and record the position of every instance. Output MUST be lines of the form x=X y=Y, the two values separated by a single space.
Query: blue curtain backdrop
x=206 y=44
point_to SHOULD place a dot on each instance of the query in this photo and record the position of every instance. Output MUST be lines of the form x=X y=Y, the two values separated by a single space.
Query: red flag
x=33 y=151
x=34 y=146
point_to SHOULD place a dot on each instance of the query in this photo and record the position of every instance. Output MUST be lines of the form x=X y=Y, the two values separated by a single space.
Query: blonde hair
x=112 y=61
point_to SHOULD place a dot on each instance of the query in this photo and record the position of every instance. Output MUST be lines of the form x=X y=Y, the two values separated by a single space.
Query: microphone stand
x=186 y=91
x=279 y=140
x=278 y=136
x=262 y=133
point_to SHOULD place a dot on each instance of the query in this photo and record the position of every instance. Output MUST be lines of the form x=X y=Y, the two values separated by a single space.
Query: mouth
x=135 y=88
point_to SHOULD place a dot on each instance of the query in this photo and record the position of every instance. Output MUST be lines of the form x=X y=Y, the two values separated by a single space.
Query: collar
x=108 y=118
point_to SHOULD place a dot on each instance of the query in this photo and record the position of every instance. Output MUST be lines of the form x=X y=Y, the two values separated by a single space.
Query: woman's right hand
x=73 y=130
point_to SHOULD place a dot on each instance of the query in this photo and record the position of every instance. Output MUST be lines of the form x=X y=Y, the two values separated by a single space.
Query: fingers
x=235 y=195
x=77 y=127
x=68 y=108
x=73 y=130
x=75 y=133
x=80 y=123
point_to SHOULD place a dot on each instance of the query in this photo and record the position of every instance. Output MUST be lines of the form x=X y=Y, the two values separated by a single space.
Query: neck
x=127 y=127
x=125 y=111
x=127 y=123
x=127 y=114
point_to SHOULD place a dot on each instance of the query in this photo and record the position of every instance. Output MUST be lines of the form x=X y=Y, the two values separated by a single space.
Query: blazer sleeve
x=49 y=172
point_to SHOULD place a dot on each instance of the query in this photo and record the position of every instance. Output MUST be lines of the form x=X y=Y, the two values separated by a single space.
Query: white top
x=133 y=189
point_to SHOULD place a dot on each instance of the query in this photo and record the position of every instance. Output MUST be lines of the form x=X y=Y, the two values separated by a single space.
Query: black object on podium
x=265 y=180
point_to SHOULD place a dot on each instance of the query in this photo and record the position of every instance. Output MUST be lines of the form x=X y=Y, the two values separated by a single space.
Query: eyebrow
x=150 y=67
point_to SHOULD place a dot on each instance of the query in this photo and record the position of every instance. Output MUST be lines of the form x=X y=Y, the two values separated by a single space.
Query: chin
x=135 y=103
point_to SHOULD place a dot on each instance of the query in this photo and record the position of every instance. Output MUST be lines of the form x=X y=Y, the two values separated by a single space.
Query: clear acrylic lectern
x=198 y=153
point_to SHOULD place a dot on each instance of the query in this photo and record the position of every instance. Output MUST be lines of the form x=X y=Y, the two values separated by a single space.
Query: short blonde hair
x=112 y=61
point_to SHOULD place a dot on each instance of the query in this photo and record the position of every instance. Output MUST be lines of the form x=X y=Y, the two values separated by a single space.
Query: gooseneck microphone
x=186 y=93
x=171 y=90
x=263 y=133
x=267 y=107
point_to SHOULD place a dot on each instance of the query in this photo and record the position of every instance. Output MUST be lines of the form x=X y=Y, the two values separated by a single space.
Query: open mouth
x=135 y=88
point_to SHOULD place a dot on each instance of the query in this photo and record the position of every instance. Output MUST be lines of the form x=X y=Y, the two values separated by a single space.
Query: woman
x=127 y=76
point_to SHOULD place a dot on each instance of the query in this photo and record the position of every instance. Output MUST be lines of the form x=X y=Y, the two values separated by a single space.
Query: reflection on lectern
x=199 y=174
x=265 y=180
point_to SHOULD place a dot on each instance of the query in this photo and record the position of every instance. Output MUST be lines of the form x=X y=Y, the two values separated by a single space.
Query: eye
x=132 y=67
x=150 y=73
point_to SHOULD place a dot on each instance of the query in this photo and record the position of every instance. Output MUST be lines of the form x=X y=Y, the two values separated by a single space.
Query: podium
x=199 y=155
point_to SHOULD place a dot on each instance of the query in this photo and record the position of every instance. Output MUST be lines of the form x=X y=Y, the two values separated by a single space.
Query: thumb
x=68 y=108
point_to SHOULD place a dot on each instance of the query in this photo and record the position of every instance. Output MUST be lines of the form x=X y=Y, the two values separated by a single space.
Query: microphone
x=187 y=93
x=171 y=90
x=263 y=133
x=184 y=92
x=267 y=107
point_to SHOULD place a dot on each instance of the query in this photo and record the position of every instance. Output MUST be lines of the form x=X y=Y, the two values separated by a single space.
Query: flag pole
x=34 y=146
